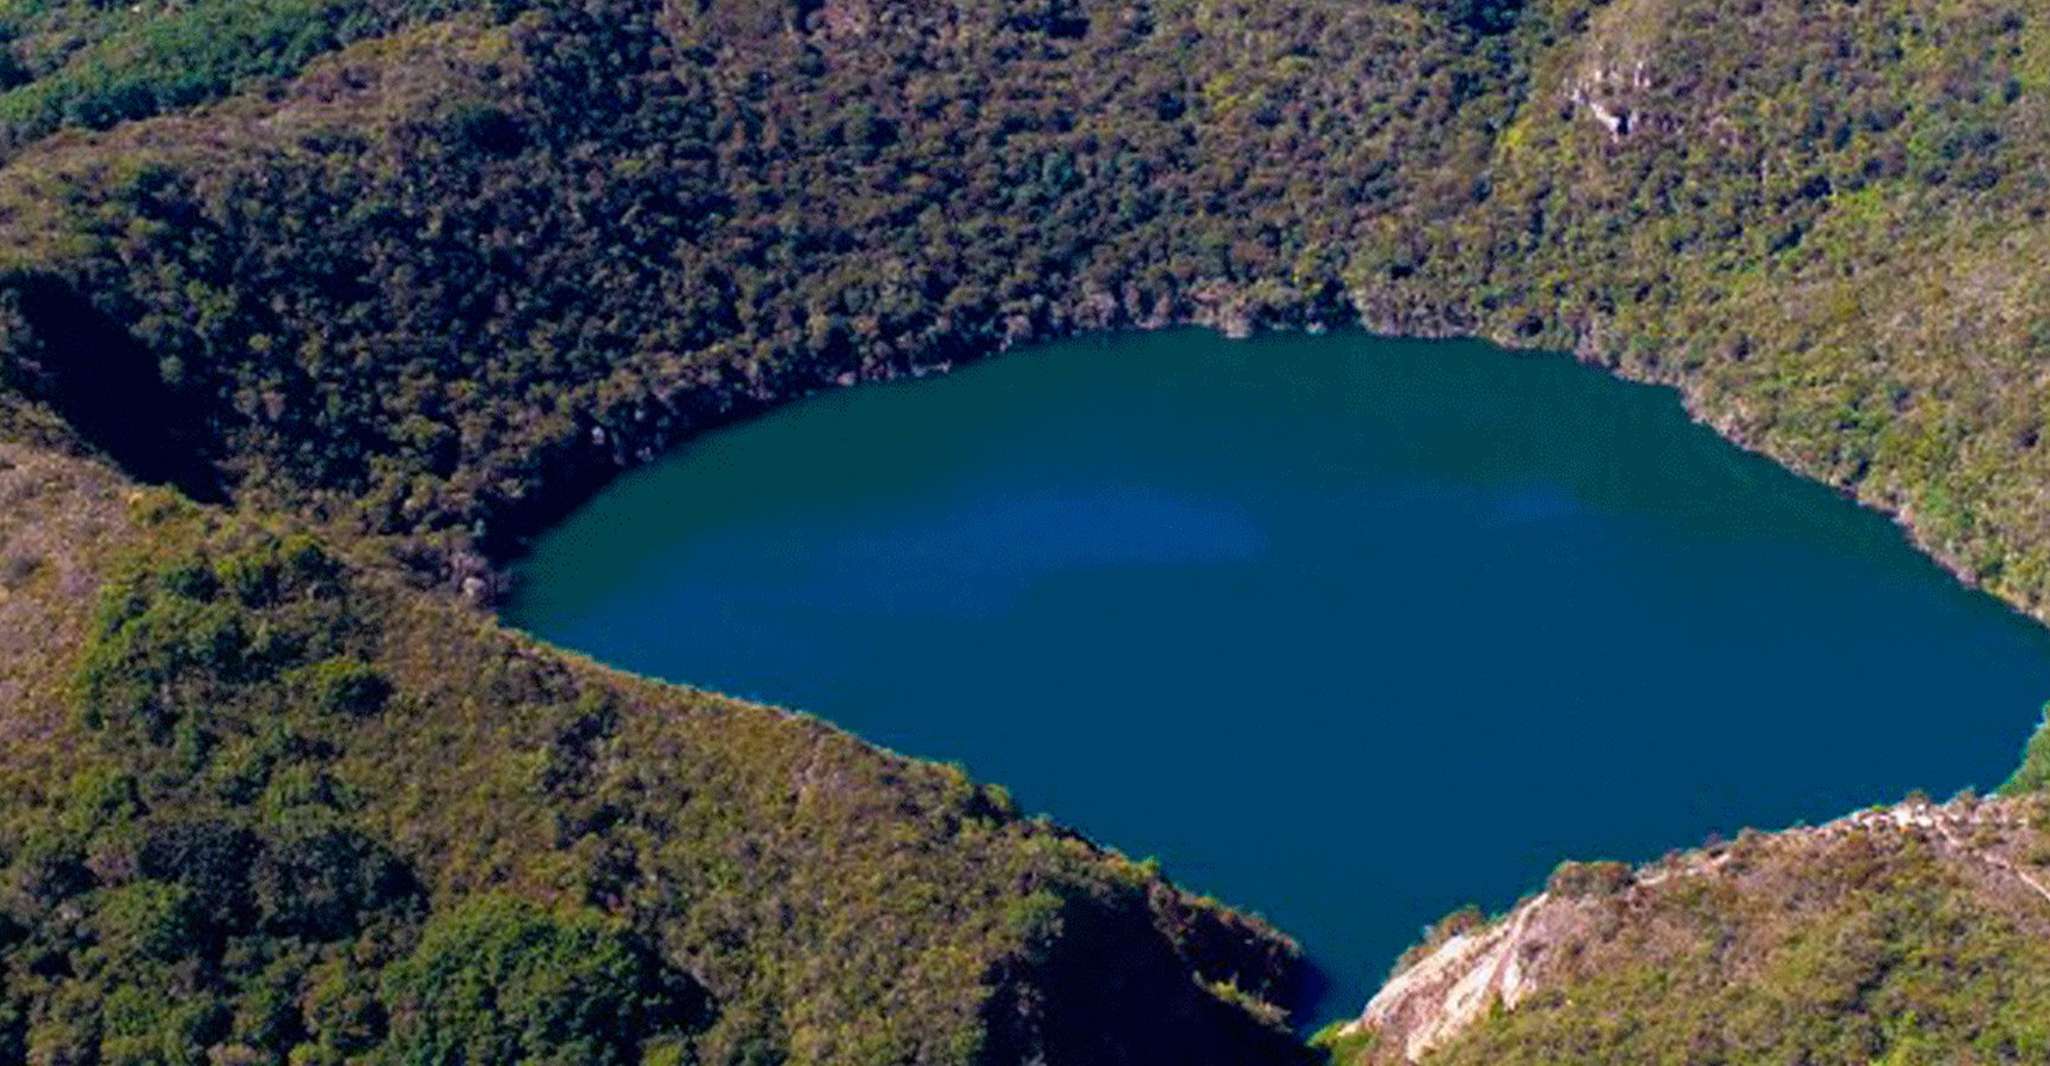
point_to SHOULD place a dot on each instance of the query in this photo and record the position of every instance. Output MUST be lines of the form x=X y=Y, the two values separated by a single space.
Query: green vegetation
x=269 y=796
x=92 y=65
x=1340 y=1047
x=451 y=279
x=2033 y=776
x=423 y=275
x=1844 y=950
x=1824 y=225
x=502 y=980
x=457 y=274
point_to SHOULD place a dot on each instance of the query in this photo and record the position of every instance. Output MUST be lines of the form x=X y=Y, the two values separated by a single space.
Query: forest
x=311 y=313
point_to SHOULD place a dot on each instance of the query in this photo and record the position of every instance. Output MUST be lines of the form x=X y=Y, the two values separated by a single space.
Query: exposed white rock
x=1505 y=962
x=1447 y=989
x=1610 y=97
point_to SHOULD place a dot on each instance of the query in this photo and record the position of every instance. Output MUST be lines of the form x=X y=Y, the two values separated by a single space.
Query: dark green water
x=1346 y=631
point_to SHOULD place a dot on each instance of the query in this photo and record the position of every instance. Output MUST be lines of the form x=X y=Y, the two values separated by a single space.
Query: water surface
x=1344 y=630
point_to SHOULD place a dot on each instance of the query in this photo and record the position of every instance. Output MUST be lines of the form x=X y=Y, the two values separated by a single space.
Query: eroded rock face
x=1446 y=990
x=1543 y=941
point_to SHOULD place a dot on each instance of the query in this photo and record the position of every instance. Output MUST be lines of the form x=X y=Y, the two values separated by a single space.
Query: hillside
x=254 y=782
x=453 y=275
x=1913 y=933
x=372 y=292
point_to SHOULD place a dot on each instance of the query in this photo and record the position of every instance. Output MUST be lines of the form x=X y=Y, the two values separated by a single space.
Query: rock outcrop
x=1548 y=939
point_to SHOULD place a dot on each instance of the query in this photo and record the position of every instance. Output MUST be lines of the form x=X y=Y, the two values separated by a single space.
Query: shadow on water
x=108 y=388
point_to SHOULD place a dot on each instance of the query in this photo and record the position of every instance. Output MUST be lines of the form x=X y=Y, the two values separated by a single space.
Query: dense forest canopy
x=385 y=286
x=446 y=279
x=443 y=279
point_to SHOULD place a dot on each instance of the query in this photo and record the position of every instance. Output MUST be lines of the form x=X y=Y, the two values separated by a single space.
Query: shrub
x=2034 y=773
x=317 y=881
x=1589 y=880
x=147 y=921
x=504 y=980
x=344 y=685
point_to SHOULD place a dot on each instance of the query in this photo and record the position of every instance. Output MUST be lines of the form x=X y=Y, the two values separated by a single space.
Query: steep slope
x=453 y=277
x=449 y=280
x=291 y=793
x=1824 y=223
x=1914 y=933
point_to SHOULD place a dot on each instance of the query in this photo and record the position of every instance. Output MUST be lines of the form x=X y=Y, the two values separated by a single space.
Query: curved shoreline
x=694 y=501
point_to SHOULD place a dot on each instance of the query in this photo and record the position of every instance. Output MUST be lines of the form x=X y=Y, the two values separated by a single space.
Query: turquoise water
x=1346 y=631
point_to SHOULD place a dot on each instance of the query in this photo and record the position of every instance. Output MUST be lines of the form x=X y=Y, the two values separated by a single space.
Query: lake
x=1346 y=631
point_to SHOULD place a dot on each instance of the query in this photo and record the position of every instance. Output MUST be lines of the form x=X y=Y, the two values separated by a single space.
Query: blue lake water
x=1346 y=631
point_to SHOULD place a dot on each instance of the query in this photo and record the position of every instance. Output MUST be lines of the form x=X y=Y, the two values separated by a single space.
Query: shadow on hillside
x=1114 y=987
x=107 y=387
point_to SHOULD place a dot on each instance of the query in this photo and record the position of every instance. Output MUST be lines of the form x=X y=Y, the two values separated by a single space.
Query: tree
x=502 y=980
